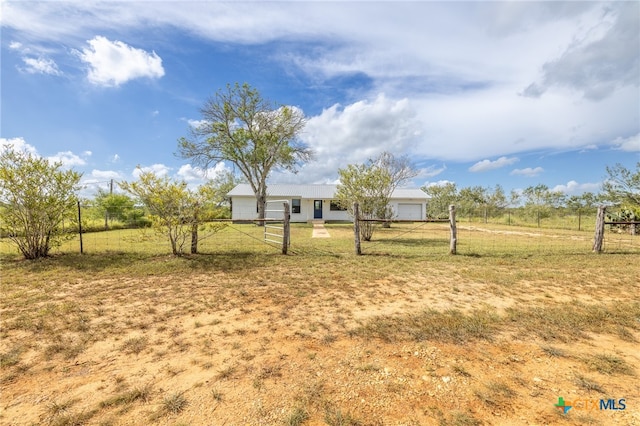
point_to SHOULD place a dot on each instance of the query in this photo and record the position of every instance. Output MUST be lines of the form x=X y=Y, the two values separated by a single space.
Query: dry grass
x=253 y=337
x=608 y=364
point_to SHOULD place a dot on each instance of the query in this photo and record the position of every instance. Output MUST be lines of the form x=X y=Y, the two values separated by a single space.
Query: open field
x=404 y=335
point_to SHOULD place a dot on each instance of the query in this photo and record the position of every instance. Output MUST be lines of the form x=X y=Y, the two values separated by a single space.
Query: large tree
x=241 y=127
x=36 y=196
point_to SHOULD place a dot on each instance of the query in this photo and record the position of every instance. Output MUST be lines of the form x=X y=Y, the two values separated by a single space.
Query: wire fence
x=543 y=218
x=130 y=231
x=227 y=238
x=490 y=239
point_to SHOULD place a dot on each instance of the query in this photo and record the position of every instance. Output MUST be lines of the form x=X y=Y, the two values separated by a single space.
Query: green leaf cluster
x=371 y=186
x=241 y=127
x=622 y=186
x=176 y=211
x=36 y=197
x=119 y=207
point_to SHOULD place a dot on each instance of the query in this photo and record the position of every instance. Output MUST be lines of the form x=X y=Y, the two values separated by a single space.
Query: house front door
x=317 y=209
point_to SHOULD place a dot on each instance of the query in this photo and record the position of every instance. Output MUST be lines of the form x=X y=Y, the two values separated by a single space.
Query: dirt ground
x=172 y=350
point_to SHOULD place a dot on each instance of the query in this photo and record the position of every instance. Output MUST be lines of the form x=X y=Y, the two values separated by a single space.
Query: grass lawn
x=403 y=335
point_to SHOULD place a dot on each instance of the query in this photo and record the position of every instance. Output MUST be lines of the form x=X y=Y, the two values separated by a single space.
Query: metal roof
x=315 y=192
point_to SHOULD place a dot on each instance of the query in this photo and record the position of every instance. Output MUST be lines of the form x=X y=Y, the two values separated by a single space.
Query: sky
x=475 y=93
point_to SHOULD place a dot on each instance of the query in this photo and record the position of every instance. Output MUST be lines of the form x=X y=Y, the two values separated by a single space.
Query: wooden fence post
x=285 y=228
x=599 y=235
x=579 y=220
x=452 y=225
x=356 y=228
x=80 y=228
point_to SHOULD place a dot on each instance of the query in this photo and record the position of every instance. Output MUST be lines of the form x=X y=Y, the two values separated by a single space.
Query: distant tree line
x=537 y=201
x=620 y=191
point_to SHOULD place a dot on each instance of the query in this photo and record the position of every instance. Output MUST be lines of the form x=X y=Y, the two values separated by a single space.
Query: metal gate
x=276 y=223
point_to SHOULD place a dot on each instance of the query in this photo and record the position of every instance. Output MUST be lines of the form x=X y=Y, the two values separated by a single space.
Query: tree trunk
x=194 y=238
x=453 y=240
x=286 y=228
x=174 y=246
x=261 y=199
x=45 y=248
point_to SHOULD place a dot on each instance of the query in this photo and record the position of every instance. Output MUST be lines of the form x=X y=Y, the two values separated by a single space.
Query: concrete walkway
x=319 y=231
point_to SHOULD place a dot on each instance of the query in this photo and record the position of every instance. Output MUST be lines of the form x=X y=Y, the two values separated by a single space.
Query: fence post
x=452 y=225
x=80 y=228
x=356 y=227
x=285 y=228
x=599 y=235
x=579 y=220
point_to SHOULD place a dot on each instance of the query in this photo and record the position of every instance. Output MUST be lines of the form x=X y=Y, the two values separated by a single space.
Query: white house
x=317 y=202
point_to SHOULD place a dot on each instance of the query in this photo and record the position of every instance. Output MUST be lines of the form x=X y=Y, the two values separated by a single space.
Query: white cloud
x=462 y=86
x=115 y=158
x=486 y=165
x=355 y=133
x=35 y=60
x=40 y=66
x=589 y=148
x=601 y=60
x=574 y=188
x=192 y=174
x=196 y=123
x=159 y=170
x=630 y=144
x=432 y=171
x=528 y=172
x=105 y=174
x=18 y=144
x=112 y=63
x=438 y=183
x=69 y=159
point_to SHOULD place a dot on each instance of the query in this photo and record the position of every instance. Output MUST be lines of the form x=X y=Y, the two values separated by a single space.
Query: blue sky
x=476 y=93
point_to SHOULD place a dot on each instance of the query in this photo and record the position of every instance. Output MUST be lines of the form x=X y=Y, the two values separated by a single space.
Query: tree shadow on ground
x=141 y=264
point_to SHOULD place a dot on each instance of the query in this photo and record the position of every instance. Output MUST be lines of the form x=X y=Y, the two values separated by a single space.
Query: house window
x=295 y=205
x=334 y=206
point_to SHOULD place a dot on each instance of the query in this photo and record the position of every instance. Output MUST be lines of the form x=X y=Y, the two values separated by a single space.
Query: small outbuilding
x=317 y=202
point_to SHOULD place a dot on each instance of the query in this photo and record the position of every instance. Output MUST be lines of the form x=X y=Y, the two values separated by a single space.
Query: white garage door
x=410 y=211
